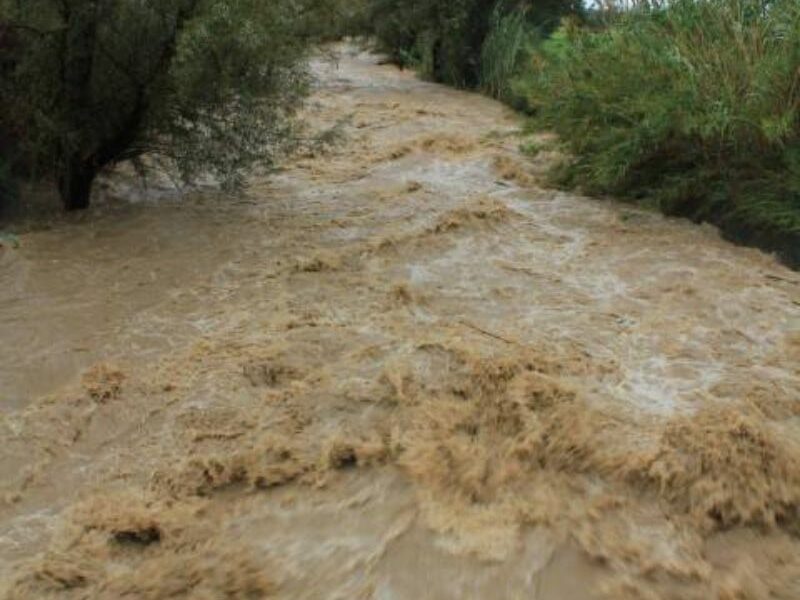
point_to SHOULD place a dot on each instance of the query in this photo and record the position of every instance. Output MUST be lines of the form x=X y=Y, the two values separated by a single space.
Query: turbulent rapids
x=398 y=368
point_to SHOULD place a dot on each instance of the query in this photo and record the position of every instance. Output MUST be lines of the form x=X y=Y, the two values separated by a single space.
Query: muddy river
x=399 y=368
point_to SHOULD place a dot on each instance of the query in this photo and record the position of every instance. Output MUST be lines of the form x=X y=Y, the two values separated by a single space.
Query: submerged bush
x=694 y=107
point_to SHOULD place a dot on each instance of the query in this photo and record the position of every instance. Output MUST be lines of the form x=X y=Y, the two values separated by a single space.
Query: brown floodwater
x=399 y=368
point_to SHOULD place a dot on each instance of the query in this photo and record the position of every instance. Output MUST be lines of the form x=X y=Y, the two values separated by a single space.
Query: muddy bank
x=397 y=369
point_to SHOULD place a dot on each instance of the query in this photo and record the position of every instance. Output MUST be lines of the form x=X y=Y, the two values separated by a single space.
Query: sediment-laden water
x=399 y=368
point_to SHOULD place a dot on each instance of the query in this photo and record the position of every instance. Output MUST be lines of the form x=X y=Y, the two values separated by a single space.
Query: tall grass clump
x=693 y=107
x=502 y=52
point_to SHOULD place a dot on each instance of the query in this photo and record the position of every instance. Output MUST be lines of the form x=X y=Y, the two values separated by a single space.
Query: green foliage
x=503 y=51
x=237 y=76
x=202 y=86
x=532 y=149
x=694 y=107
x=526 y=84
x=442 y=38
x=466 y=43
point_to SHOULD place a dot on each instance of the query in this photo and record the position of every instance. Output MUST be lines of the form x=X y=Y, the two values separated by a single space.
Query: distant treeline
x=691 y=106
x=452 y=41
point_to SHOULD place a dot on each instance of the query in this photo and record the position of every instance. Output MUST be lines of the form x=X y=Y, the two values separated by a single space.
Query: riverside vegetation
x=691 y=106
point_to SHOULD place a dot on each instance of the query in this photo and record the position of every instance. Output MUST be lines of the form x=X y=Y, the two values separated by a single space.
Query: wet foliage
x=201 y=86
x=694 y=108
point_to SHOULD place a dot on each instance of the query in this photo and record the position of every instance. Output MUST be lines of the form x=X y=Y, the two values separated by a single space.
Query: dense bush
x=694 y=107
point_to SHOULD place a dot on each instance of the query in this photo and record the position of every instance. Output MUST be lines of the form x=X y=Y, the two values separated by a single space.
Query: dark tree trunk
x=87 y=148
x=75 y=184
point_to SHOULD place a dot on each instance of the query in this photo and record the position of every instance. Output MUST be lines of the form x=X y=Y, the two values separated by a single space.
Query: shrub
x=694 y=107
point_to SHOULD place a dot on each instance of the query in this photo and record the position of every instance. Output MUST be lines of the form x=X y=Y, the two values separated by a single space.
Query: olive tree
x=207 y=86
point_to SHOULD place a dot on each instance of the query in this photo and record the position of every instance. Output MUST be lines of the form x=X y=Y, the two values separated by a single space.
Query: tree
x=201 y=86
